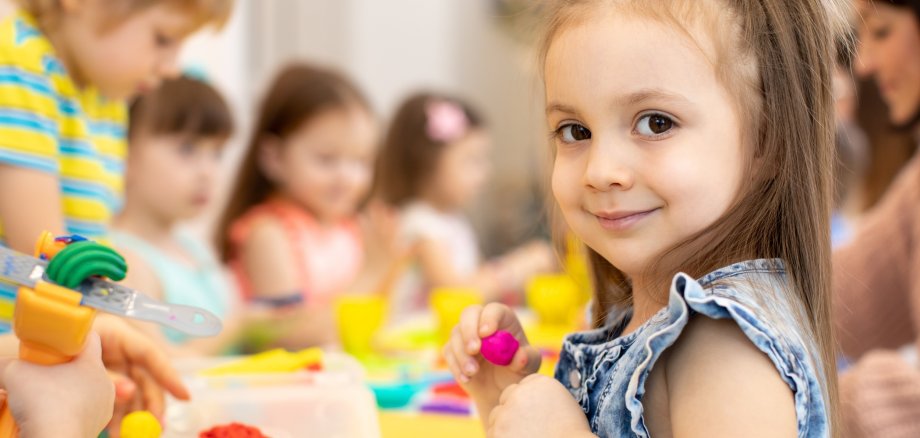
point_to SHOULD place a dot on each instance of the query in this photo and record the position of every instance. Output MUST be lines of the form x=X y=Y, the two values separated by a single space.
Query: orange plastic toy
x=50 y=323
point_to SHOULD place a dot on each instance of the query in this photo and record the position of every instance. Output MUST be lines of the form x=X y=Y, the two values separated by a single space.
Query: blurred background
x=475 y=49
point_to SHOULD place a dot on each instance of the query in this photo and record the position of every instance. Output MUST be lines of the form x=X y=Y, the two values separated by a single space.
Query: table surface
x=396 y=424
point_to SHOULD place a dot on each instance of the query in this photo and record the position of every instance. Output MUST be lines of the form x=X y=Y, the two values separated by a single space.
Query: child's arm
x=483 y=380
x=720 y=385
x=267 y=262
x=73 y=399
x=273 y=275
x=31 y=203
x=386 y=257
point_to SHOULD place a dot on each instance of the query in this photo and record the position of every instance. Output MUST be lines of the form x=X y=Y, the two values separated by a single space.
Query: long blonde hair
x=776 y=58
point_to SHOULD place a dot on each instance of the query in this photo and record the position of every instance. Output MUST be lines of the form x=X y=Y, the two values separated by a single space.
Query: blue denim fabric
x=606 y=372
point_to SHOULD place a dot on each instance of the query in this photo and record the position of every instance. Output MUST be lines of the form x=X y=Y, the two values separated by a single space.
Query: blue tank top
x=201 y=285
x=606 y=372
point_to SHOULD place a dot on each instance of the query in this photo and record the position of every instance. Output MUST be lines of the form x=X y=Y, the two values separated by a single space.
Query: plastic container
x=333 y=402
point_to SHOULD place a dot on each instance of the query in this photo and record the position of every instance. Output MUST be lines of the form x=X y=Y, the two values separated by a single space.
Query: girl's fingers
x=497 y=316
x=469 y=329
x=527 y=360
x=452 y=365
x=465 y=362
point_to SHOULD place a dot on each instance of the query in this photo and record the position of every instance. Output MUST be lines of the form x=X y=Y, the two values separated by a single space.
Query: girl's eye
x=573 y=133
x=327 y=159
x=880 y=33
x=654 y=125
x=162 y=40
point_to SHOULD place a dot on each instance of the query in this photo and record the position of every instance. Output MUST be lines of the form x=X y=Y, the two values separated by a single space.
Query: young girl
x=176 y=134
x=290 y=230
x=434 y=162
x=693 y=149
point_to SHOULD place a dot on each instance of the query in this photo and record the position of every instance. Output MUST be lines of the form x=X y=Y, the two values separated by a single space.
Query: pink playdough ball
x=499 y=347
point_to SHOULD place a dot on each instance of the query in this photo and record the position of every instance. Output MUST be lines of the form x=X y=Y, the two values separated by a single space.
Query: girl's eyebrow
x=646 y=94
x=634 y=98
x=558 y=107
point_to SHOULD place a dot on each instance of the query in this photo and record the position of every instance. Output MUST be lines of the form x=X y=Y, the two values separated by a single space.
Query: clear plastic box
x=334 y=402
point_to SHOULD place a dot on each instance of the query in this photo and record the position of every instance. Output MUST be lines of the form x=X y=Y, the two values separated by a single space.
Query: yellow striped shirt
x=49 y=124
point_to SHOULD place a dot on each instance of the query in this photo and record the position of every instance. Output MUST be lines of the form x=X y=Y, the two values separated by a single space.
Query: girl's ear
x=269 y=157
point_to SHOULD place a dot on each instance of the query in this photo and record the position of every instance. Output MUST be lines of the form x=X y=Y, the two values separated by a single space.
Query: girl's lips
x=621 y=220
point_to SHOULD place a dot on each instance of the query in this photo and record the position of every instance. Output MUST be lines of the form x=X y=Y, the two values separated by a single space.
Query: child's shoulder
x=739 y=352
x=266 y=235
x=24 y=46
x=719 y=383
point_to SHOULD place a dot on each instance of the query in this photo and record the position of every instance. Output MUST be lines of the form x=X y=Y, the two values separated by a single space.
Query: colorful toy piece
x=140 y=424
x=274 y=361
x=499 y=347
x=232 y=430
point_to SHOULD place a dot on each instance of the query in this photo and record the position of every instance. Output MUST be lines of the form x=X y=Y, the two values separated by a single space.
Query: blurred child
x=434 y=162
x=65 y=69
x=697 y=169
x=291 y=231
x=176 y=134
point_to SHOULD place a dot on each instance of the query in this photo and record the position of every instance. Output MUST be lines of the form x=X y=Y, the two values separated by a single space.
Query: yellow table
x=395 y=424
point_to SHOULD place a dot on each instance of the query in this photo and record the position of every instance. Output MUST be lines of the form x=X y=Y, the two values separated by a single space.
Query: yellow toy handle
x=50 y=323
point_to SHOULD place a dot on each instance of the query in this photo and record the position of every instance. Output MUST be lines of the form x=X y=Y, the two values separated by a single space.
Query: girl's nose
x=607 y=168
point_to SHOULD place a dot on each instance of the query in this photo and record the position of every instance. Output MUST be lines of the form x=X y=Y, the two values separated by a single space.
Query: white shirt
x=453 y=232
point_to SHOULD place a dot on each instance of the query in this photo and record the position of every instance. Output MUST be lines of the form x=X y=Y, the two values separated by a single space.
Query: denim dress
x=606 y=372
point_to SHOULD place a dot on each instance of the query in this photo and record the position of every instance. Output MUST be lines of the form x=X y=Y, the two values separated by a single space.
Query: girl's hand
x=538 y=406
x=72 y=399
x=144 y=367
x=483 y=380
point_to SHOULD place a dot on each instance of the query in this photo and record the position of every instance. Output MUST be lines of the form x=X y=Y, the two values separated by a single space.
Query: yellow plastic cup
x=554 y=298
x=448 y=303
x=359 y=318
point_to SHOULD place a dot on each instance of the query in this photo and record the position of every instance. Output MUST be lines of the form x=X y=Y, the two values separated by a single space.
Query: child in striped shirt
x=66 y=68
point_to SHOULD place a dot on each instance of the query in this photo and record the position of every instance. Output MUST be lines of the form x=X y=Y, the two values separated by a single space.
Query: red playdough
x=232 y=430
x=499 y=347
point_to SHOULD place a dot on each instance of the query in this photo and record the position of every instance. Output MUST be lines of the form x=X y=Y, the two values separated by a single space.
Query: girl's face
x=173 y=176
x=326 y=165
x=889 y=50
x=648 y=142
x=461 y=171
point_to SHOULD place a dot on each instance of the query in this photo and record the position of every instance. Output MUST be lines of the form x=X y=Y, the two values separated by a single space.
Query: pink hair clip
x=446 y=121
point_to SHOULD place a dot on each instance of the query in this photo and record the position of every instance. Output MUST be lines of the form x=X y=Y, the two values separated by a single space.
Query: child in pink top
x=291 y=231
x=322 y=274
